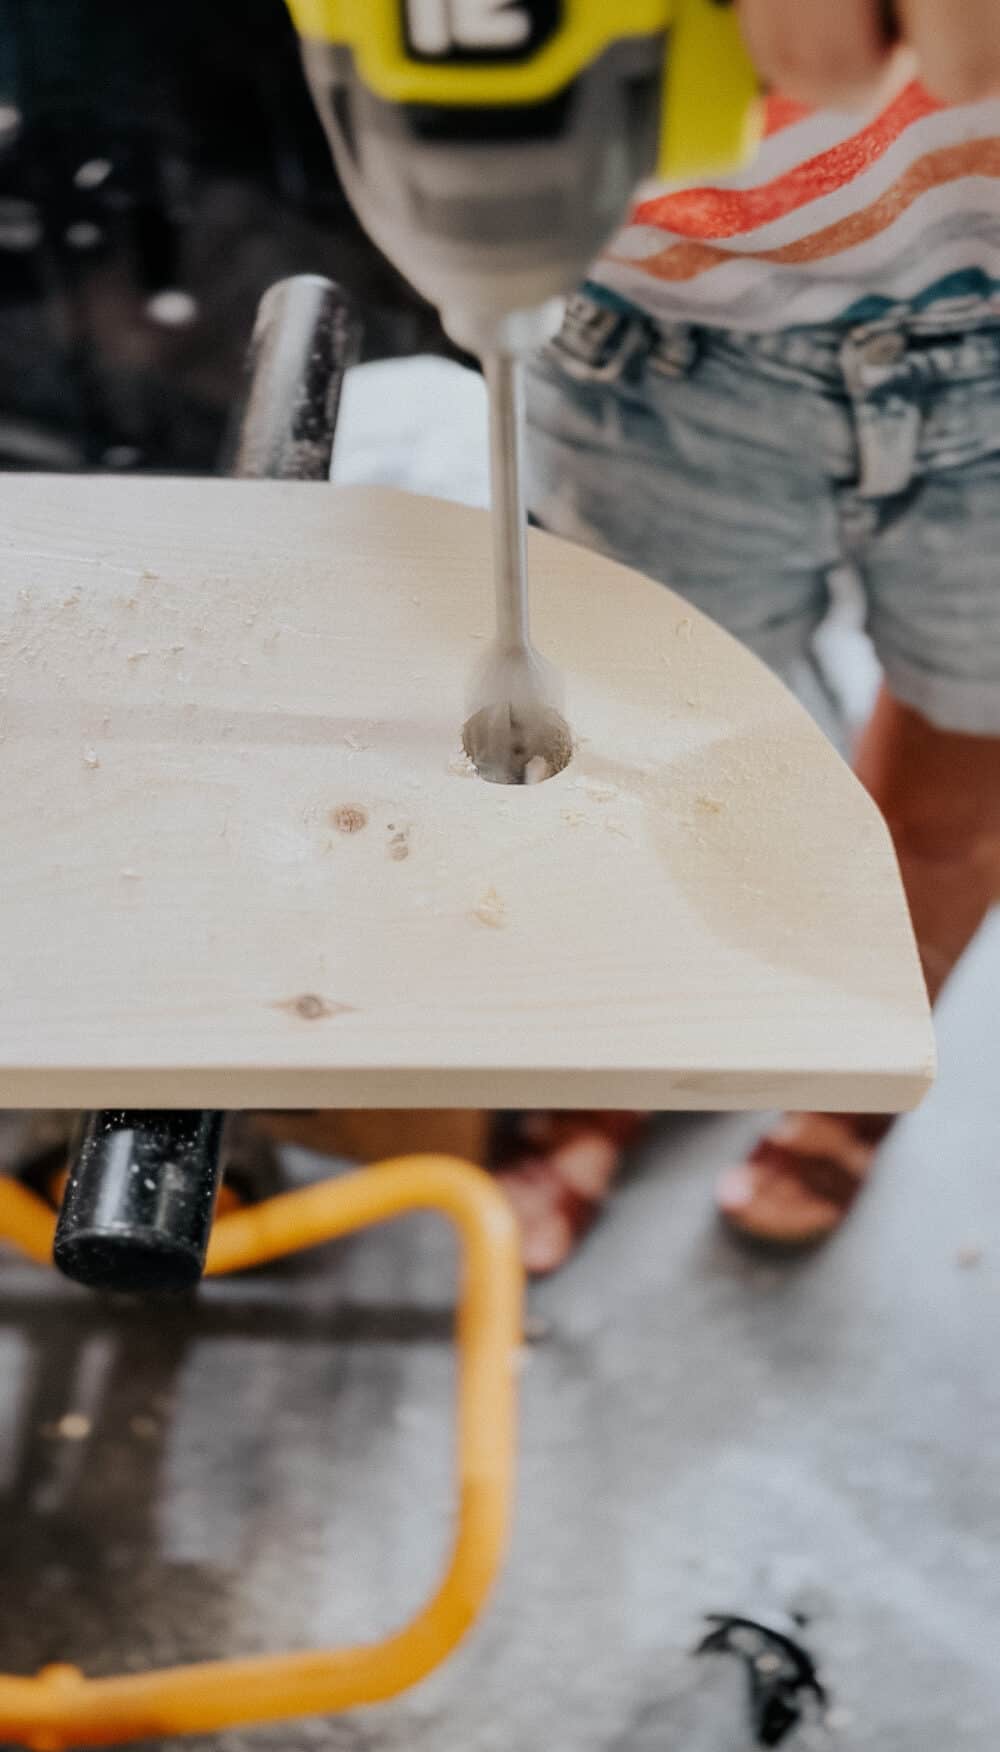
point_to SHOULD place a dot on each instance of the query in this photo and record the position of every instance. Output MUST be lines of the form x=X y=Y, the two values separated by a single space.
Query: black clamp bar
x=138 y=1207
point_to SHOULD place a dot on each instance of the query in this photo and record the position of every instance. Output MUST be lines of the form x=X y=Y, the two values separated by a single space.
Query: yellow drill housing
x=710 y=91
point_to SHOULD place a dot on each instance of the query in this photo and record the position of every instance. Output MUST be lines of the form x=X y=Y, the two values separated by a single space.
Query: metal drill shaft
x=505 y=385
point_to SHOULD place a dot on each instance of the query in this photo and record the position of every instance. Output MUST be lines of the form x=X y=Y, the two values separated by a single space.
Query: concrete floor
x=701 y=1430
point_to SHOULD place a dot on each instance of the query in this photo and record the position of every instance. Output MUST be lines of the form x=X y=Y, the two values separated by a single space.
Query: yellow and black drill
x=491 y=148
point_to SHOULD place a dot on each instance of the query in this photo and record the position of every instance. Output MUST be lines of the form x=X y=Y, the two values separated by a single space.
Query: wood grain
x=244 y=864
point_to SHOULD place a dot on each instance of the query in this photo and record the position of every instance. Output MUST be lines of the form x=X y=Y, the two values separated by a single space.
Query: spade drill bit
x=515 y=734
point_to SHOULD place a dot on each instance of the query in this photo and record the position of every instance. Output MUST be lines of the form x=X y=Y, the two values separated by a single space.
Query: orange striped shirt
x=831 y=222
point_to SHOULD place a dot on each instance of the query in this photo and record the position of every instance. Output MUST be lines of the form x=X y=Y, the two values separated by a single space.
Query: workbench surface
x=245 y=863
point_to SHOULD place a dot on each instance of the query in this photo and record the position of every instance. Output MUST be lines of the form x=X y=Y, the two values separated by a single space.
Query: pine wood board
x=245 y=865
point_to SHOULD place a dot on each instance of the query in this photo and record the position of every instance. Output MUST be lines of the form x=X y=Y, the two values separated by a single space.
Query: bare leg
x=940 y=794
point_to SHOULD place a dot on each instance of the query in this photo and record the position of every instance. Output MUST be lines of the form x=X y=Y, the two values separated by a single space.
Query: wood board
x=246 y=866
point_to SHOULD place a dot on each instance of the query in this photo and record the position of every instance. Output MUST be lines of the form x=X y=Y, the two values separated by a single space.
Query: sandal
x=799 y=1182
x=558 y=1170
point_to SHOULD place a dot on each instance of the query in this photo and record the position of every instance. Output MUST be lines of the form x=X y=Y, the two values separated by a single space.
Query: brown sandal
x=558 y=1170
x=798 y=1183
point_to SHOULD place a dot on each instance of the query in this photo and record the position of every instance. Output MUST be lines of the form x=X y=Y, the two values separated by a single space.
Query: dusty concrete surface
x=701 y=1429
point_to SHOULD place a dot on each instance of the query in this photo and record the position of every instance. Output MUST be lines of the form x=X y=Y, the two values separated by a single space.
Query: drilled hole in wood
x=508 y=747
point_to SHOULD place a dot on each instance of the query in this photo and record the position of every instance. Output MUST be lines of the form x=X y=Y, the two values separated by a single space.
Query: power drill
x=490 y=148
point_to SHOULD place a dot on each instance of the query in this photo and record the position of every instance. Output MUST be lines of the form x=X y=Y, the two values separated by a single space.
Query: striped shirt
x=831 y=223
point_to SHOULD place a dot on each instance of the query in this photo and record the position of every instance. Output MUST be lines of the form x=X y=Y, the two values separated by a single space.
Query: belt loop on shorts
x=887 y=415
x=601 y=342
x=675 y=350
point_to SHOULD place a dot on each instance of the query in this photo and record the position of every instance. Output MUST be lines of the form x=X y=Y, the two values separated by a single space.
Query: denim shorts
x=745 y=470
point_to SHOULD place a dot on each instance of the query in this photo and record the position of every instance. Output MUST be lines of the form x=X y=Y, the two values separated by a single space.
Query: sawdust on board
x=597 y=792
x=491 y=910
x=398 y=848
x=537 y=770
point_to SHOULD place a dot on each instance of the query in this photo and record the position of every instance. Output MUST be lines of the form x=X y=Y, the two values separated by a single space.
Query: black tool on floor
x=781 y=1671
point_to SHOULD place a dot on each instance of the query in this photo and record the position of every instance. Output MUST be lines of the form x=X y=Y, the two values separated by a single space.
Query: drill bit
x=515 y=733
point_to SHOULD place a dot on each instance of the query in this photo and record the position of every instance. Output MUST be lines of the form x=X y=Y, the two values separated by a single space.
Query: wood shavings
x=128 y=874
x=491 y=911
x=597 y=793
x=710 y=805
x=354 y=742
x=537 y=770
x=73 y=598
x=137 y=656
x=684 y=627
x=462 y=766
x=91 y=758
x=573 y=817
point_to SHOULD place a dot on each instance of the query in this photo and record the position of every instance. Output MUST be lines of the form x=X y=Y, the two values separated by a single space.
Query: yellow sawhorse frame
x=61 y=1709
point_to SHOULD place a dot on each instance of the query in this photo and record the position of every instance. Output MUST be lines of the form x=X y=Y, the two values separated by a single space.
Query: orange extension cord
x=61 y=1709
